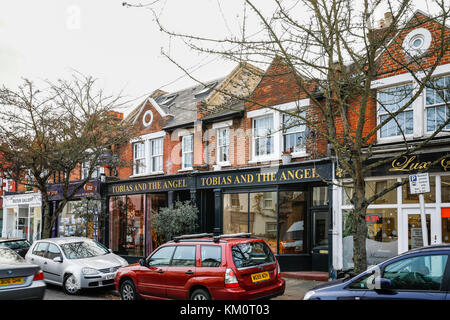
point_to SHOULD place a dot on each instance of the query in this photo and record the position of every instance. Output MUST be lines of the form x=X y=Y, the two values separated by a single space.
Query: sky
x=121 y=46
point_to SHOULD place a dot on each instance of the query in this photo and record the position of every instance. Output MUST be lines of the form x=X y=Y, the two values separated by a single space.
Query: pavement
x=296 y=288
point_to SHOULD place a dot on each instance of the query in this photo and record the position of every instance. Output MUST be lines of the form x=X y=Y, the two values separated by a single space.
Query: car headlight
x=308 y=295
x=89 y=271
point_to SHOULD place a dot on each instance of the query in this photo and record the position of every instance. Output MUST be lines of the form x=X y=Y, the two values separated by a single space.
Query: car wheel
x=71 y=284
x=128 y=291
x=200 y=294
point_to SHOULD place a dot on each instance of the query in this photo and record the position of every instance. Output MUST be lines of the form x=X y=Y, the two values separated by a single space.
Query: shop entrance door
x=413 y=228
x=319 y=240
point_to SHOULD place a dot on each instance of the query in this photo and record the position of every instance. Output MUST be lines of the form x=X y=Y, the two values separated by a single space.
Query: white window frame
x=302 y=152
x=184 y=153
x=148 y=156
x=158 y=155
x=412 y=109
x=220 y=127
x=277 y=113
x=435 y=105
x=140 y=158
x=95 y=175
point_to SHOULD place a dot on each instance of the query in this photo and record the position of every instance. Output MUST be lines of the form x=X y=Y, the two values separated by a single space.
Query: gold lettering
x=407 y=164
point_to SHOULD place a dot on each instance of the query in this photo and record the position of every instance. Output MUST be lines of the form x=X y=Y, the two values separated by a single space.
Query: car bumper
x=35 y=291
x=97 y=281
x=239 y=293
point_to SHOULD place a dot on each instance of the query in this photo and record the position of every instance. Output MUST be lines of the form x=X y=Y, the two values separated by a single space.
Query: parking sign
x=419 y=183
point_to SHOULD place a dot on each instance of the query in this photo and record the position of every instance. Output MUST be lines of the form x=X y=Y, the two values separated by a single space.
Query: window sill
x=224 y=164
x=300 y=154
x=147 y=174
x=186 y=169
x=259 y=160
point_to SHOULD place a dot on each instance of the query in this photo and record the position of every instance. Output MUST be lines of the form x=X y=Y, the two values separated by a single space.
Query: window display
x=292 y=222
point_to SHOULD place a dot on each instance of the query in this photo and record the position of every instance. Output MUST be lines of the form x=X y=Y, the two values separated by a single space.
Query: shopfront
x=287 y=206
x=394 y=224
x=83 y=216
x=133 y=203
x=22 y=216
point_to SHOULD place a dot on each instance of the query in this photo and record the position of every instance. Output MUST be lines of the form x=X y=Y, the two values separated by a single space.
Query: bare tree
x=47 y=133
x=334 y=47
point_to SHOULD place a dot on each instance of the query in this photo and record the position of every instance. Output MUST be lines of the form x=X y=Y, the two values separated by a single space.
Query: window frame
x=184 y=153
x=141 y=158
x=152 y=156
x=273 y=153
x=382 y=112
x=220 y=145
x=426 y=106
x=302 y=113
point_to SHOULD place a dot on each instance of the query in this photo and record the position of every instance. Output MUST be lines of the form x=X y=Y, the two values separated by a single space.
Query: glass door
x=414 y=228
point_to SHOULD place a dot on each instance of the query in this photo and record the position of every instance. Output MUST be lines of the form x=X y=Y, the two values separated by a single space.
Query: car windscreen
x=83 y=249
x=251 y=254
x=14 y=245
x=9 y=257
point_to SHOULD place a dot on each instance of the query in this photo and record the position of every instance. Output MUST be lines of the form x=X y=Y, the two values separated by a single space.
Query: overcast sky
x=49 y=39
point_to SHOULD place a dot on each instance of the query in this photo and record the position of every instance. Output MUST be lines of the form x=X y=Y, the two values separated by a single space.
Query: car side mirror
x=383 y=284
x=142 y=262
x=58 y=259
x=110 y=251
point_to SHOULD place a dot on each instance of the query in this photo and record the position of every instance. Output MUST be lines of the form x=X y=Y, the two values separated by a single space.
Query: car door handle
x=189 y=272
x=160 y=271
x=45 y=262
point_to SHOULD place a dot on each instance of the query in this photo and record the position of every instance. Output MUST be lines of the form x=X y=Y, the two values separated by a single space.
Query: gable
x=395 y=57
x=150 y=118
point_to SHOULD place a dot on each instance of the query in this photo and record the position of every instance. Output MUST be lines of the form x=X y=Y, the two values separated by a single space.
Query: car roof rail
x=192 y=236
x=232 y=235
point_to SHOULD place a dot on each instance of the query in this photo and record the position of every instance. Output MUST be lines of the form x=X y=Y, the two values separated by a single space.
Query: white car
x=75 y=263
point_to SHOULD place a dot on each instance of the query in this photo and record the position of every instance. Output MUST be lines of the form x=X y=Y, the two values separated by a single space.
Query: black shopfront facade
x=287 y=205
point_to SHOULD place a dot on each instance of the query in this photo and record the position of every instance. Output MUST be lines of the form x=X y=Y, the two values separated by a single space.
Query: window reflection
x=292 y=221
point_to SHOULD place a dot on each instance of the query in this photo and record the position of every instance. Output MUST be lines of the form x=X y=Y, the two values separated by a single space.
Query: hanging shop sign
x=91 y=188
x=266 y=176
x=146 y=186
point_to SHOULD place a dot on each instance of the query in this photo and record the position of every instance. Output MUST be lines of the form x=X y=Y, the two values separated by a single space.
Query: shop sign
x=265 y=176
x=14 y=200
x=150 y=186
x=55 y=191
x=430 y=162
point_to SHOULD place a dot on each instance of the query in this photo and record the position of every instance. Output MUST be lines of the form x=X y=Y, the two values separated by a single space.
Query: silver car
x=18 y=279
x=75 y=262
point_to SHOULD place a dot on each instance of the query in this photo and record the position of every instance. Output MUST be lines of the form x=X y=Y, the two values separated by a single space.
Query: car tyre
x=200 y=294
x=71 y=285
x=128 y=291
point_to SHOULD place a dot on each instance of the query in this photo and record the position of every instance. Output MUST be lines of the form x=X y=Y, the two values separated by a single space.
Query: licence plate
x=110 y=276
x=11 y=281
x=256 y=277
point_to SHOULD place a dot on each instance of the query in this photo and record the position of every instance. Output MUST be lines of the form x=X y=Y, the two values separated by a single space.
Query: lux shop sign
x=266 y=177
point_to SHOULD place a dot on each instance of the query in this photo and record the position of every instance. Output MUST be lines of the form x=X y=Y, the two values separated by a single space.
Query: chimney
x=388 y=19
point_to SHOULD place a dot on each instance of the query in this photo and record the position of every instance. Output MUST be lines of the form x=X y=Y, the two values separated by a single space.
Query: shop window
x=117 y=211
x=263 y=210
x=382 y=236
x=134 y=240
x=430 y=197
x=155 y=201
x=320 y=196
x=292 y=222
x=375 y=187
x=79 y=218
x=235 y=213
x=445 y=189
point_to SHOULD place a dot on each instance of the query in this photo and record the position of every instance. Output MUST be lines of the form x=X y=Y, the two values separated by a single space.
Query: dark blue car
x=417 y=274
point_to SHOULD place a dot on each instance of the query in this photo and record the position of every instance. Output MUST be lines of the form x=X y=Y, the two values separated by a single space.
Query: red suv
x=204 y=267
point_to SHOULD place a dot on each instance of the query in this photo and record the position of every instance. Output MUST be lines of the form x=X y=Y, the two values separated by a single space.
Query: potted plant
x=286 y=156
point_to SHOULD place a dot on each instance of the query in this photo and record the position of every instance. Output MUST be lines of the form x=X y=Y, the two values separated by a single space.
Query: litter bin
x=320 y=258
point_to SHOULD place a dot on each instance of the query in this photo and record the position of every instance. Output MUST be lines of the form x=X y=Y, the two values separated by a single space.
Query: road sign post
x=420 y=184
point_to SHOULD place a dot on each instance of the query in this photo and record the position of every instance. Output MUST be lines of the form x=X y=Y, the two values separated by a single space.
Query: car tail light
x=230 y=279
x=38 y=276
x=278 y=270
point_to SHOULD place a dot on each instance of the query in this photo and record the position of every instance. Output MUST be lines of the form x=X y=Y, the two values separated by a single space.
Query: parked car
x=19 y=245
x=75 y=263
x=19 y=280
x=422 y=273
x=204 y=267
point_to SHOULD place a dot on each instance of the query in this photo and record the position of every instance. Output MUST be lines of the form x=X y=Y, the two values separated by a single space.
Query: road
x=295 y=290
